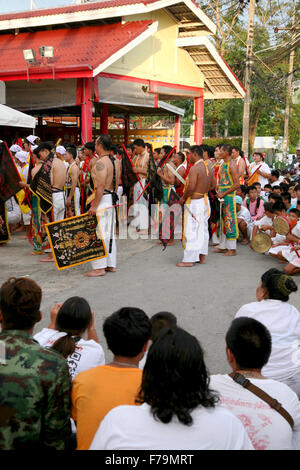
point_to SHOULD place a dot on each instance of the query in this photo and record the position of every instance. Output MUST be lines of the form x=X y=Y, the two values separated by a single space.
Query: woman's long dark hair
x=73 y=318
x=278 y=284
x=175 y=379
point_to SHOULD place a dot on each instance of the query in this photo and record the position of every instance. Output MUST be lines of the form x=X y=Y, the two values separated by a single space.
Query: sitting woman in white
x=68 y=322
x=283 y=321
x=178 y=410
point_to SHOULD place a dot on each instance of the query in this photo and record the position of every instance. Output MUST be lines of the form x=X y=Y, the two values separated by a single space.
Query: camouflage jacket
x=34 y=394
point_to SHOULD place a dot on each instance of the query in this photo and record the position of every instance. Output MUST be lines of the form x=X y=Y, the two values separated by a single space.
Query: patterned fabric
x=229 y=224
x=35 y=392
x=41 y=184
x=169 y=218
x=9 y=176
x=39 y=238
x=4 y=228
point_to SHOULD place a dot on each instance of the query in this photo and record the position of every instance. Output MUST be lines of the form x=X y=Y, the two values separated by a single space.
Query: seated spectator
x=34 y=382
x=293 y=194
x=254 y=203
x=291 y=252
x=283 y=188
x=178 y=410
x=96 y=391
x=68 y=323
x=159 y=321
x=267 y=191
x=260 y=193
x=244 y=220
x=281 y=242
x=286 y=197
x=276 y=189
x=248 y=348
x=275 y=178
x=274 y=197
x=242 y=191
x=283 y=321
x=279 y=209
x=297 y=190
x=265 y=224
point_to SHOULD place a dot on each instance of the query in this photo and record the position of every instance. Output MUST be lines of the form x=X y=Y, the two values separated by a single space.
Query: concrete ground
x=204 y=298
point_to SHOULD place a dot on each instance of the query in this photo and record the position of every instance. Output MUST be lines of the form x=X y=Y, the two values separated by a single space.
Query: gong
x=261 y=242
x=281 y=225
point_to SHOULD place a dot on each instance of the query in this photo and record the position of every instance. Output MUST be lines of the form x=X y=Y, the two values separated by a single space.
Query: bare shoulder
x=100 y=165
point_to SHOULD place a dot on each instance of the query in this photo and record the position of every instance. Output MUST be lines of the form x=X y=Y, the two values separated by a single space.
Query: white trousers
x=13 y=211
x=140 y=207
x=196 y=231
x=77 y=201
x=58 y=205
x=26 y=218
x=106 y=217
x=227 y=244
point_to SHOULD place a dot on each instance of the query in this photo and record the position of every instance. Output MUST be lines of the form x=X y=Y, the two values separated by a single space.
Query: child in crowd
x=265 y=224
x=68 y=323
x=159 y=321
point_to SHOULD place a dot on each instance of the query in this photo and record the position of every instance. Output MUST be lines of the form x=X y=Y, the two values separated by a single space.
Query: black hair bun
x=291 y=285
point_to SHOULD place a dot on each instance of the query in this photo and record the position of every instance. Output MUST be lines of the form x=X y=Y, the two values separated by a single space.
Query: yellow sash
x=21 y=197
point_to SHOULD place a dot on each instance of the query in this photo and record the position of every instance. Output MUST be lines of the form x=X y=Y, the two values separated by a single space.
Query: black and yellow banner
x=74 y=241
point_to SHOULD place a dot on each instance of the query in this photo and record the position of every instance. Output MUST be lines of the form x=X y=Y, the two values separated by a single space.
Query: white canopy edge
x=11 y=117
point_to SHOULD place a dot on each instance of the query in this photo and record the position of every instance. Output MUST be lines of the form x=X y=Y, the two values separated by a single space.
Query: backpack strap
x=274 y=404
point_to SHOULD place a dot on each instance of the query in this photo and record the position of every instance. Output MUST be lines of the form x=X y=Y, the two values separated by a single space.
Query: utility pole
x=246 y=112
x=289 y=90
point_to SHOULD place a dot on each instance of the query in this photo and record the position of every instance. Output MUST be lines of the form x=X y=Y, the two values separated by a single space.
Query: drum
x=281 y=225
x=261 y=242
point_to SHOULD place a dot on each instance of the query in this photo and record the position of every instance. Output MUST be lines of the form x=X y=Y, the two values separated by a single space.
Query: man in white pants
x=140 y=207
x=106 y=175
x=197 y=209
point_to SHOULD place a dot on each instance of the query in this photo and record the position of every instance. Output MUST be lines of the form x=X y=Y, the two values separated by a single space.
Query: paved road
x=204 y=298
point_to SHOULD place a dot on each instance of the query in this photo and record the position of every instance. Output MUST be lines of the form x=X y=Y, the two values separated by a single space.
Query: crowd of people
x=224 y=198
x=58 y=392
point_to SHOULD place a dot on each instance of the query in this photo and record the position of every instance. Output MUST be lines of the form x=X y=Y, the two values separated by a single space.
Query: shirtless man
x=182 y=170
x=58 y=180
x=106 y=177
x=196 y=237
x=240 y=163
x=140 y=207
x=72 y=183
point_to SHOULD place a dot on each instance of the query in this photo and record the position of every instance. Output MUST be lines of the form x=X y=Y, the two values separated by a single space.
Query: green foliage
x=268 y=80
x=233 y=141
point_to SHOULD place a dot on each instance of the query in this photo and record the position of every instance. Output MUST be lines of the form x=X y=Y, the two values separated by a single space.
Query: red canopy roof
x=73 y=8
x=77 y=52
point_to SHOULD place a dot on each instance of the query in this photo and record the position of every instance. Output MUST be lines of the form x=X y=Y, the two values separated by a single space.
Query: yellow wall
x=156 y=137
x=158 y=57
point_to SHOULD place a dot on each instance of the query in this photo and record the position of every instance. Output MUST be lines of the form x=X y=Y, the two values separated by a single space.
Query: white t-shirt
x=294 y=201
x=134 y=428
x=266 y=428
x=264 y=168
x=245 y=215
x=87 y=353
x=283 y=322
x=265 y=220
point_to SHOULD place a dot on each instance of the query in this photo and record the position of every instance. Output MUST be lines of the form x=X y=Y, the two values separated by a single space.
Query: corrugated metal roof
x=219 y=80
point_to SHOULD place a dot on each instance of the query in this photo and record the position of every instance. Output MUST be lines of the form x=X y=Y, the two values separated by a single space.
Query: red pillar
x=104 y=119
x=126 y=129
x=177 y=132
x=87 y=110
x=198 y=109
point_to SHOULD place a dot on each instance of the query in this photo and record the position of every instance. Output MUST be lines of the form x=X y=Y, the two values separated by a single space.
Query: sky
x=23 y=5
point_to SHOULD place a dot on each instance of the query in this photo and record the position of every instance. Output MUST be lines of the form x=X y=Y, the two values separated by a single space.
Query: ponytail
x=65 y=345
